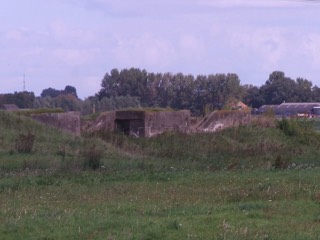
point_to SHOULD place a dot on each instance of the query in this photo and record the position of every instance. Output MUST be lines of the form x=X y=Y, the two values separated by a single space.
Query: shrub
x=24 y=143
x=92 y=158
x=288 y=127
x=281 y=163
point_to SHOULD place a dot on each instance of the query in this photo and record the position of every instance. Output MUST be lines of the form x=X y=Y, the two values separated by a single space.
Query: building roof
x=267 y=108
x=10 y=107
x=288 y=109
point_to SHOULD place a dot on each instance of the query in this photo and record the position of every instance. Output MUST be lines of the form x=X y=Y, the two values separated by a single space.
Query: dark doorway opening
x=123 y=126
x=130 y=127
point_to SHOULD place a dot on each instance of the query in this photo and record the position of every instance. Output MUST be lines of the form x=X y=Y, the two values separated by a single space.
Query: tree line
x=203 y=92
x=66 y=99
x=132 y=88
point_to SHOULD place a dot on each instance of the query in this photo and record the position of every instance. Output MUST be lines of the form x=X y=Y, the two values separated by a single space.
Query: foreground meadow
x=172 y=205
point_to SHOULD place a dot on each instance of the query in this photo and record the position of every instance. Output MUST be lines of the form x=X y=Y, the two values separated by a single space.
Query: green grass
x=244 y=147
x=316 y=124
x=250 y=182
x=185 y=205
x=29 y=112
x=52 y=149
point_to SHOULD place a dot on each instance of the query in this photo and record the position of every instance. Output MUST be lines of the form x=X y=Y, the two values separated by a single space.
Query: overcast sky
x=75 y=42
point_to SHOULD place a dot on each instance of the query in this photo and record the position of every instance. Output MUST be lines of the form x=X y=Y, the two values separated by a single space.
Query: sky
x=55 y=43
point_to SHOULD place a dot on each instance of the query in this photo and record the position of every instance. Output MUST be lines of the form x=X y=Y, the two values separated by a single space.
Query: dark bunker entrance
x=130 y=127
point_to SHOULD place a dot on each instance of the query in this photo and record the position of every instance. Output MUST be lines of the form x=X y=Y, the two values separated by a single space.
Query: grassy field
x=183 y=205
x=253 y=182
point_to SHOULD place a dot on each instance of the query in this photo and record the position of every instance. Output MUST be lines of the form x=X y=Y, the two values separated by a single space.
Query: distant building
x=237 y=105
x=10 y=107
x=292 y=109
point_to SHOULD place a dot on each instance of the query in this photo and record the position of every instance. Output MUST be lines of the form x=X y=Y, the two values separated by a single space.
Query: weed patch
x=92 y=157
x=24 y=143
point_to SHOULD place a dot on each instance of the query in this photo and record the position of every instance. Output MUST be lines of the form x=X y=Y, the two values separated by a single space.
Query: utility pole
x=24 y=82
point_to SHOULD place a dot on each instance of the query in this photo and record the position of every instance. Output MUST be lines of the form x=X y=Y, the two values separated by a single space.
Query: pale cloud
x=14 y=35
x=144 y=51
x=251 y=3
x=89 y=84
x=71 y=35
x=76 y=57
x=192 y=47
x=311 y=45
x=269 y=45
x=20 y=36
x=16 y=83
x=33 y=52
x=178 y=6
x=77 y=41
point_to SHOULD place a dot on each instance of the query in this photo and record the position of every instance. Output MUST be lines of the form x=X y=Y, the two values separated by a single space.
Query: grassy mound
x=262 y=144
x=26 y=144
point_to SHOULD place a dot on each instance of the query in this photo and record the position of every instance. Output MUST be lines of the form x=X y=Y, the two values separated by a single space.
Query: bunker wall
x=159 y=122
x=68 y=122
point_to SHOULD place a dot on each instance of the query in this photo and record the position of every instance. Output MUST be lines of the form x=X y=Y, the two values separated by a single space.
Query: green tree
x=316 y=94
x=252 y=96
x=50 y=92
x=165 y=91
x=183 y=88
x=278 y=89
x=71 y=90
x=201 y=96
x=303 y=90
x=222 y=87
x=68 y=102
x=110 y=84
x=44 y=102
x=22 y=99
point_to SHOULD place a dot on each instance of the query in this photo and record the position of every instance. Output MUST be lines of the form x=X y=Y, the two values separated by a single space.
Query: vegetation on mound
x=155 y=109
x=27 y=144
x=29 y=112
x=259 y=145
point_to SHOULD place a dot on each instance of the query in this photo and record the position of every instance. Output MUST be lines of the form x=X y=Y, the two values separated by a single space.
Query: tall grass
x=252 y=146
x=47 y=147
x=259 y=145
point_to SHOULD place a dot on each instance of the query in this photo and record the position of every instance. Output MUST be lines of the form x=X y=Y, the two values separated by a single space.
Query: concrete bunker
x=142 y=123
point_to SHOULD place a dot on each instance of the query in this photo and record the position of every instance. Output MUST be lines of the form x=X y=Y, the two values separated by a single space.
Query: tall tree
x=50 y=92
x=222 y=87
x=21 y=99
x=316 y=94
x=110 y=84
x=278 y=89
x=71 y=90
x=303 y=90
x=252 y=96
x=200 y=95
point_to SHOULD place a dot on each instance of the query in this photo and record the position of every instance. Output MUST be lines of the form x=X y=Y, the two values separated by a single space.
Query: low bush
x=92 y=157
x=24 y=143
x=281 y=163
